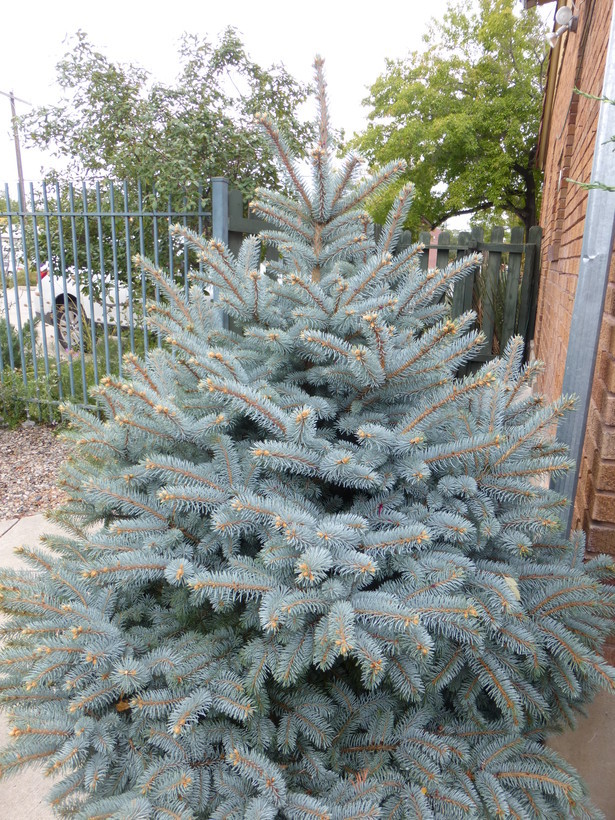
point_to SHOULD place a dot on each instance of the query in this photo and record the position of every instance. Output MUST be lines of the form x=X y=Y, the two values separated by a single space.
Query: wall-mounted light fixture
x=566 y=21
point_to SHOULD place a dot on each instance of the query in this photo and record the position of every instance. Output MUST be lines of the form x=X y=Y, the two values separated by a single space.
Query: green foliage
x=465 y=114
x=35 y=400
x=9 y=341
x=307 y=573
x=113 y=122
x=39 y=396
x=31 y=397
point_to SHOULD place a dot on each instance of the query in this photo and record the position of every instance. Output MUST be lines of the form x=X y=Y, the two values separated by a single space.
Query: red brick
x=608 y=651
x=608 y=410
x=609 y=373
x=602 y=362
x=604 y=477
x=599 y=392
x=607 y=334
x=602 y=508
x=595 y=424
x=600 y=538
x=605 y=401
x=605 y=442
x=574 y=123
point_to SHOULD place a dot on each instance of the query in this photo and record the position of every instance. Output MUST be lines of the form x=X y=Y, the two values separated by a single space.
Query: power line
x=17 y=99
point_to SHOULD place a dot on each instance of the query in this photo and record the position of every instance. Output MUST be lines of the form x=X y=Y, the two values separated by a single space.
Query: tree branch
x=484 y=206
x=521 y=212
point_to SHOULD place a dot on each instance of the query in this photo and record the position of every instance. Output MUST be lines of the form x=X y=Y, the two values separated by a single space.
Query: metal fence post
x=598 y=236
x=219 y=224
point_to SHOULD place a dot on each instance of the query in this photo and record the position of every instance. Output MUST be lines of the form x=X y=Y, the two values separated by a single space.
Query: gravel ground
x=30 y=458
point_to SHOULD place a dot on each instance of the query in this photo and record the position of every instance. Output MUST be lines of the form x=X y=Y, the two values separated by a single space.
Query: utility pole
x=22 y=190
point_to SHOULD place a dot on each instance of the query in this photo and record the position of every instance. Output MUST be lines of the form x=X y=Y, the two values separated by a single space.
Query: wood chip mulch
x=30 y=458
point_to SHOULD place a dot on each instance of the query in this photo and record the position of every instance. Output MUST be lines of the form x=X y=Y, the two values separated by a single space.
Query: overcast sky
x=353 y=37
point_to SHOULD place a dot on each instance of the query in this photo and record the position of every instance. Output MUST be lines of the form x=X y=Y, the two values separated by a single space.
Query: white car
x=53 y=289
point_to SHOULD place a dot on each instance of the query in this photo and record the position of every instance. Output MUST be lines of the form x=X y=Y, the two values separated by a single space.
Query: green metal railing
x=72 y=302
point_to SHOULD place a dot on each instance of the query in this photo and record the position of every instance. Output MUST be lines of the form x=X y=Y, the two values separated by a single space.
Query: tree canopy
x=113 y=121
x=465 y=114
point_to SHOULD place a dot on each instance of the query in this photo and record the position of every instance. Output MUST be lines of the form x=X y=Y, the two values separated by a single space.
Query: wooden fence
x=504 y=292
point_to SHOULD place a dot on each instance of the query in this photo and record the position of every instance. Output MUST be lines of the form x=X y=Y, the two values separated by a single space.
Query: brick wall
x=570 y=151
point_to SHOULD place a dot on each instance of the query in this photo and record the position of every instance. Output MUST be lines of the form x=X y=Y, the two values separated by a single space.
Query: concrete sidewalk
x=591 y=748
x=23 y=795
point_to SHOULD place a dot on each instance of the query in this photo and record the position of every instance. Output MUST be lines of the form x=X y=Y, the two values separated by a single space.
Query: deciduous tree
x=465 y=114
x=112 y=121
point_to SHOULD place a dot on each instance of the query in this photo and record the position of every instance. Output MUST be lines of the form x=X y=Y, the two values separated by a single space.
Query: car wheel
x=68 y=318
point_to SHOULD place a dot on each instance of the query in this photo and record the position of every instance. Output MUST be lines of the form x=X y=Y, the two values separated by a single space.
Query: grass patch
x=21 y=277
x=38 y=396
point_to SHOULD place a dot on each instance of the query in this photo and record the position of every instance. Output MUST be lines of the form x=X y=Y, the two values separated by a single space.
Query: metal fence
x=72 y=303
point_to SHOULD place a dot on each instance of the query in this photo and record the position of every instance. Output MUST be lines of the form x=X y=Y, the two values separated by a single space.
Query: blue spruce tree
x=307 y=572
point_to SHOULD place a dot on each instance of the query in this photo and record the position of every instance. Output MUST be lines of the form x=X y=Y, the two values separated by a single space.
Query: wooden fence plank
x=535 y=235
x=468 y=300
x=532 y=260
x=490 y=285
x=425 y=239
x=405 y=240
x=442 y=255
x=459 y=305
x=511 y=299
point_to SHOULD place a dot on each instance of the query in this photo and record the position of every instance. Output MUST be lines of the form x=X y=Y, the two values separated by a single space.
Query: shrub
x=307 y=572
